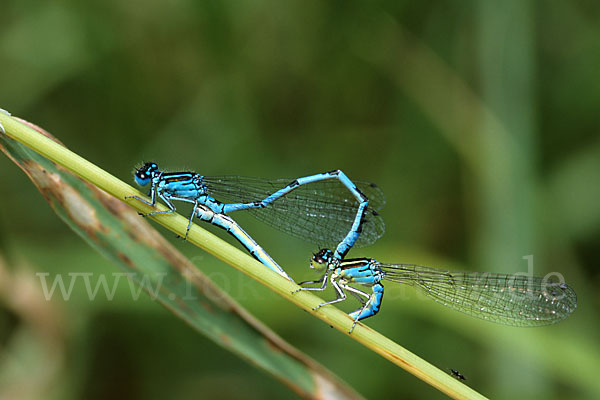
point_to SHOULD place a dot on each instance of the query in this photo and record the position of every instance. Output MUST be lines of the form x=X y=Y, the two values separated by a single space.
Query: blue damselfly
x=326 y=209
x=516 y=300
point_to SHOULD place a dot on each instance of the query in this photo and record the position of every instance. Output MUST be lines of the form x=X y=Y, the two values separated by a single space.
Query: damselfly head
x=144 y=173
x=321 y=259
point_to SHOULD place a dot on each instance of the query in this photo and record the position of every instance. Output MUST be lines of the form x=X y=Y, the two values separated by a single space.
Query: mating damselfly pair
x=331 y=210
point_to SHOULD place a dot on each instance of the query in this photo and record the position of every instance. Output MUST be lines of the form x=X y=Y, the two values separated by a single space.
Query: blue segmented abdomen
x=373 y=305
x=321 y=212
x=227 y=223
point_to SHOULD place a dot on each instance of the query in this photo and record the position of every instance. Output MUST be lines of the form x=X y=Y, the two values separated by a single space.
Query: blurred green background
x=478 y=119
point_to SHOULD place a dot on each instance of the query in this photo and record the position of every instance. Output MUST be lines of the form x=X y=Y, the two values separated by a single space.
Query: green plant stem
x=20 y=131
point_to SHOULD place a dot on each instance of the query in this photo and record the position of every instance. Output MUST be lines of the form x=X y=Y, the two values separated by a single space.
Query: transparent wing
x=515 y=300
x=320 y=212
